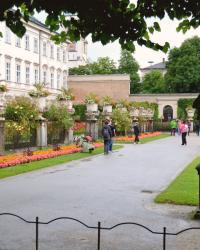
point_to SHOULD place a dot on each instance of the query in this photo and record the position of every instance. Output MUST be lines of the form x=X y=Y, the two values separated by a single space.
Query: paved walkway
x=112 y=189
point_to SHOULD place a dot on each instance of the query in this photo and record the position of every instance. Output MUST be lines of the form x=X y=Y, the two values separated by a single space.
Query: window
x=58 y=80
x=44 y=49
x=18 y=73
x=35 y=49
x=64 y=56
x=52 y=80
x=27 y=45
x=8 y=36
x=72 y=56
x=36 y=75
x=8 y=71
x=44 y=76
x=85 y=47
x=18 y=42
x=58 y=54
x=27 y=74
x=64 y=78
x=52 y=51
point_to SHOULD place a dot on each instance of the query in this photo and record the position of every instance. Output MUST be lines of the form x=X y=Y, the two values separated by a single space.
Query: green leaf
x=146 y=35
x=151 y=29
x=166 y=47
x=156 y=26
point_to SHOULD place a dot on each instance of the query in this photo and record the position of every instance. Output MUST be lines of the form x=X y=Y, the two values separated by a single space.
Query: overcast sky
x=142 y=55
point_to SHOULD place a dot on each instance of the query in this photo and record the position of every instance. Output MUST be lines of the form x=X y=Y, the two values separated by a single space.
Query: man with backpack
x=136 y=132
x=106 y=134
x=112 y=127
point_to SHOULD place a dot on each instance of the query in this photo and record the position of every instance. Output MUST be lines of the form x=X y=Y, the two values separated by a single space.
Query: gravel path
x=112 y=189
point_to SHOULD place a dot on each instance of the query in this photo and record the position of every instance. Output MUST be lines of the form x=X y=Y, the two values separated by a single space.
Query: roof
x=37 y=22
x=161 y=65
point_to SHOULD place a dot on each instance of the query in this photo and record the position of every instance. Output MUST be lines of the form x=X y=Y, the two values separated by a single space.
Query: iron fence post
x=37 y=232
x=99 y=235
x=164 y=238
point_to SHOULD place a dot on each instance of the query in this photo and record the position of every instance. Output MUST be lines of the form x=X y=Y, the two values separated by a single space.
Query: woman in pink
x=184 y=130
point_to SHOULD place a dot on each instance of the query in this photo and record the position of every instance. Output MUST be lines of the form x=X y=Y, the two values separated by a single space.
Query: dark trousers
x=136 y=138
x=110 y=144
x=106 y=146
x=173 y=131
x=184 y=142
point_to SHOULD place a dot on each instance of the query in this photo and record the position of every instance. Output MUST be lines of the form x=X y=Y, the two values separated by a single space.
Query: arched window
x=168 y=113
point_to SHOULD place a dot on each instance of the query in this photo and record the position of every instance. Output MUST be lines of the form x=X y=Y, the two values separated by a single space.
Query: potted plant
x=3 y=88
x=123 y=104
x=91 y=101
x=107 y=104
x=67 y=97
x=40 y=93
x=190 y=111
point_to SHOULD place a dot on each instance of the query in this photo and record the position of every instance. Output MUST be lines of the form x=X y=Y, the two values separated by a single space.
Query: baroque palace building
x=36 y=59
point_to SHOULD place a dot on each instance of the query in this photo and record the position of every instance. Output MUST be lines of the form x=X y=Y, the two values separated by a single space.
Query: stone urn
x=143 y=112
x=69 y=104
x=123 y=109
x=41 y=103
x=92 y=107
x=107 y=109
x=135 y=112
x=2 y=98
x=190 y=113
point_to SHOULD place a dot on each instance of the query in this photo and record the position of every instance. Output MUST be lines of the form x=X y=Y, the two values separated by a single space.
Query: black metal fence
x=98 y=228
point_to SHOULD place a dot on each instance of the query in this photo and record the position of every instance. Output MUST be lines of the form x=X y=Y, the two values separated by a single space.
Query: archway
x=168 y=113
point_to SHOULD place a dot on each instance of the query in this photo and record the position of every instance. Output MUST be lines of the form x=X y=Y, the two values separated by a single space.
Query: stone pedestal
x=92 y=124
x=2 y=135
x=42 y=133
x=190 y=114
x=92 y=128
x=69 y=136
x=69 y=133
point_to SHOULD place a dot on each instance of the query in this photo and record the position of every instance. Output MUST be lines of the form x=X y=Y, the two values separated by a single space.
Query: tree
x=80 y=70
x=153 y=82
x=106 y=20
x=128 y=65
x=122 y=120
x=104 y=65
x=183 y=67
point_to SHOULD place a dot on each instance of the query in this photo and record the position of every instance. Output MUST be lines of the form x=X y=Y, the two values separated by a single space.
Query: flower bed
x=15 y=159
x=131 y=138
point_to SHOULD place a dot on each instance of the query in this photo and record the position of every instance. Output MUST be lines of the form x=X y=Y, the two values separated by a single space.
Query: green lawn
x=184 y=189
x=145 y=140
x=23 y=168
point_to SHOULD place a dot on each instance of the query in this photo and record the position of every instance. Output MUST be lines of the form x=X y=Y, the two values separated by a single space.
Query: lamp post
x=198 y=209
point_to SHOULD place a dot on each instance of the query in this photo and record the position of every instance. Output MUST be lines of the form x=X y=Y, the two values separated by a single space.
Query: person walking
x=136 y=132
x=184 y=130
x=113 y=133
x=197 y=128
x=173 y=126
x=106 y=134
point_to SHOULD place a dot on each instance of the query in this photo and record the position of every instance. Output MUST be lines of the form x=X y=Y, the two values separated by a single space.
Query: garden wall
x=117 y=86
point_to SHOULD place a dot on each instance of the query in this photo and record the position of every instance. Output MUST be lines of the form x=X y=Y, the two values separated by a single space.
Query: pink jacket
x=183 y=128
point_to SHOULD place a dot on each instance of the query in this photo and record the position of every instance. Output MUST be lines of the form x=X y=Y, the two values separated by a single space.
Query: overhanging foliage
x=106 y=20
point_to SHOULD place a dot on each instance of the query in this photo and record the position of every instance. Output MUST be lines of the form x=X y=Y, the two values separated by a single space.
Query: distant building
x=77 y=53
x=158 y=66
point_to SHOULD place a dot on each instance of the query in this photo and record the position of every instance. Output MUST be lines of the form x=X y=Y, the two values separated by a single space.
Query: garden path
x=112 y=189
